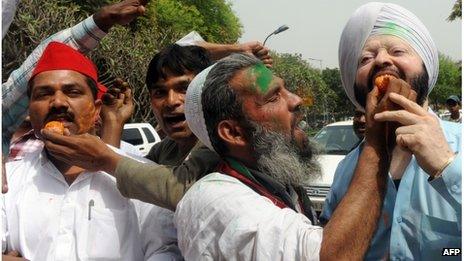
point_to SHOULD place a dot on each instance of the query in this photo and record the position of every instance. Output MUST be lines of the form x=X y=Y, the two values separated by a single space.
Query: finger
x=394 y=85
x=60 y=152
x=265 y=57
x=406 y=140
x=402 y=116
x=412 y=96
x=56 y=138
x=120 y=84
x=108 y=99
x=114 y=91
x=372 y=101
x=128 y=96
x=262 y=52
x=409 y=129
x=407 y=104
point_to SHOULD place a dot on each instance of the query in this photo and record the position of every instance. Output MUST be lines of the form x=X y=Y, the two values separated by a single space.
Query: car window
x=133 y=136
x=149 y=135
x=337 y=140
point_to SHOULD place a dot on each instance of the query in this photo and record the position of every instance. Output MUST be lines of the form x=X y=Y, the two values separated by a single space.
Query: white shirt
x=191 y=38
x=220 y=218
x=44 y=218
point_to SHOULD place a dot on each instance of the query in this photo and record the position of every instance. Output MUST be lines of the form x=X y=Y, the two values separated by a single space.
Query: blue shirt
x=420 y=218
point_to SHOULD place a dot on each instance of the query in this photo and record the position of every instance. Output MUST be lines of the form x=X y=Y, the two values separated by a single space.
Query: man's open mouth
x=175 y=120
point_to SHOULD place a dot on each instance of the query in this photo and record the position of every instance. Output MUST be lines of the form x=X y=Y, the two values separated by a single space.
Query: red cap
x=58 y=56
x=101 y=90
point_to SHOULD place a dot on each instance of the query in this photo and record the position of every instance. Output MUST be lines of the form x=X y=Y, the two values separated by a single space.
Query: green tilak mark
x=263 y=76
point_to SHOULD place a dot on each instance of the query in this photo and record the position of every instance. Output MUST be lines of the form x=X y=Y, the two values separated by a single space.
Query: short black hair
x=177 y=60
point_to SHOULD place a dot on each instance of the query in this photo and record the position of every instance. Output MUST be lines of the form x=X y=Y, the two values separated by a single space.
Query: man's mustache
x=376 y=69
x=54 y=115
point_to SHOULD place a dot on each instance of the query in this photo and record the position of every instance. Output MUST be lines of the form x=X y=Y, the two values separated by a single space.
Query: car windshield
x=337 y=140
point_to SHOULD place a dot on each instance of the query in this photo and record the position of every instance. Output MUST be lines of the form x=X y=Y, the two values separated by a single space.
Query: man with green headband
x=421 y=213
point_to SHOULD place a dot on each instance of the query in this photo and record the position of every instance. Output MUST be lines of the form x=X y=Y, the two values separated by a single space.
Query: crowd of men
x=226 y=183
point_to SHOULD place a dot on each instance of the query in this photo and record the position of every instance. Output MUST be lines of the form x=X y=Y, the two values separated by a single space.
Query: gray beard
x=281 y=158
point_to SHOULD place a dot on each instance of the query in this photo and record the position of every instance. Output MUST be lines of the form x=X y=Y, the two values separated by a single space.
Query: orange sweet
x=55 y=126
x=382 y=82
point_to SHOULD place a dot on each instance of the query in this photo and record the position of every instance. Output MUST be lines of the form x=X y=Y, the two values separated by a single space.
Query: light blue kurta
x=422 y=217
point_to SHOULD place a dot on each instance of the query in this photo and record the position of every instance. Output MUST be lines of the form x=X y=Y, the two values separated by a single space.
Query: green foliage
x=221 y=24
x=456 y=12
x=333 y=80
x=448 y=82
x=126 y=51
x=318 y=99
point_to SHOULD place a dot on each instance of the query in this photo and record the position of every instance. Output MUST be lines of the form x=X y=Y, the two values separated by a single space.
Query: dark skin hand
x=120 y=13
x=85 y=150
x=12 y=256
x=117 y=108
x=404 y=89
x=348 y=233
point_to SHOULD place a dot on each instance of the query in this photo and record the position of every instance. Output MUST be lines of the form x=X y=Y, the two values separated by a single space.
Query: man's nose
x=294 y=101
x=59 y=100
x=383 y=58
x=174 y=99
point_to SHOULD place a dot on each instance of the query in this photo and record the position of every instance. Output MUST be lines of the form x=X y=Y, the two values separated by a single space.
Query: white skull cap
x=194 y=108
x=383 y=19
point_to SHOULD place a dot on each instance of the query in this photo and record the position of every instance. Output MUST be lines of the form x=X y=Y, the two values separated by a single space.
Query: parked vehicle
x=142 y=135
x=446 y=115
x=336 y=141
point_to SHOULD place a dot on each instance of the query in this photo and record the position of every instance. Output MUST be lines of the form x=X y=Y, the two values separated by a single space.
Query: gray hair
x=219 y=100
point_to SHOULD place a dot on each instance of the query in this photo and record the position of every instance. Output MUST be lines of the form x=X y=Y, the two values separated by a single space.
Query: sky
x=316 y=25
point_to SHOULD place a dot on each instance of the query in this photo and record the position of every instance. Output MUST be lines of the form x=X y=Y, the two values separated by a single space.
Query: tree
x=333 y=80
x=456 y=11
x=448 y=82
x=319 y=101
x=126 y=51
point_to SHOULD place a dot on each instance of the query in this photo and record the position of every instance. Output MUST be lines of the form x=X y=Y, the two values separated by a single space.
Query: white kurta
x=220 y=218
x=46 y=219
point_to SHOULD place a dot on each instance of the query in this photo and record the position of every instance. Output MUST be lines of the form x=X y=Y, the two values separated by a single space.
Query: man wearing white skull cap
x=253 y=207
x=421 y=212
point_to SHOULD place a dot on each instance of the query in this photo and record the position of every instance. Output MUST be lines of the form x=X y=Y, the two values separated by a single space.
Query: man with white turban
x=253 y=207
x=422 y=207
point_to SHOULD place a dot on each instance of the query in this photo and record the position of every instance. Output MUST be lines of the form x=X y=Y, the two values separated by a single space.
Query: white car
x=336 y=141
x=142 y=135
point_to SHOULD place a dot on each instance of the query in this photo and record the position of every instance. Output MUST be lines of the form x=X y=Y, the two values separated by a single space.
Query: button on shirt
x=420 y=218
x=44 y=218
x=220 y=218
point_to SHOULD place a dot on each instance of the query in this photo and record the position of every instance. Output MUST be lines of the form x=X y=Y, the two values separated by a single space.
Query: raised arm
x=348 y=233
x=84 y=37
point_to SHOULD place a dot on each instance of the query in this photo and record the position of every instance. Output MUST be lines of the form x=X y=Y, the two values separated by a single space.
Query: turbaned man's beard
x=281 y=158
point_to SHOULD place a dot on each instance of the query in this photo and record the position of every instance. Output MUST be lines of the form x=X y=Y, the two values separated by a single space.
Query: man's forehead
x=173 y=79
x=59 y=76
x=257 y=79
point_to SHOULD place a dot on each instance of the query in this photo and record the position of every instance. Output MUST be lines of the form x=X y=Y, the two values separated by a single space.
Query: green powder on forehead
x=394 y=29
x=263 y=77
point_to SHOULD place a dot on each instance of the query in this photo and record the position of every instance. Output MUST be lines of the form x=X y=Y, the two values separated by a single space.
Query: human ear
x=231 y=133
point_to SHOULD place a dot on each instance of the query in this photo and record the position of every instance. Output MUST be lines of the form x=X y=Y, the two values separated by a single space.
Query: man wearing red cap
x=83 y=37
x=76 y=215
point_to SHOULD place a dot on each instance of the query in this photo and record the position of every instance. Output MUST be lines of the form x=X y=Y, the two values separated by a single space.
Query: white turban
x=379 y=19
x=194 y=108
